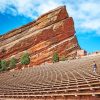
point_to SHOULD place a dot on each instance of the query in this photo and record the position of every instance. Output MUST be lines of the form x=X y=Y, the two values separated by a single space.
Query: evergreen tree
x=0 y=64
x=55 y=57
x=4 y=65
x=25 y=59
x=13 y=62
x=3 y=50
x=63 y=58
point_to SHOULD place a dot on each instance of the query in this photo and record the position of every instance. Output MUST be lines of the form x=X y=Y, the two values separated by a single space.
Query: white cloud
x=27 y=8
x=86 y=16
x=86 y=13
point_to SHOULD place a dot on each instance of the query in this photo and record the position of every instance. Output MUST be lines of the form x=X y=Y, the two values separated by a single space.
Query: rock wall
x=53 y=31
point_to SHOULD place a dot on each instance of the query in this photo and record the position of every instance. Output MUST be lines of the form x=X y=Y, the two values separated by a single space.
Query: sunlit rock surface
x=51 y=32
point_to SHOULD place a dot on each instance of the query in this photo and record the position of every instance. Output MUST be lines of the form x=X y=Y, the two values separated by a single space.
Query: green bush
x=63 y=58
x=25 y=59
x=0 y=64
x=4 y=65
x=55 y=57
x=3 y=50
x=13 y=62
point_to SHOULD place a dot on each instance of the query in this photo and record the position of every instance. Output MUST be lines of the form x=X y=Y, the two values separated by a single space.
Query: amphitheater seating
x=72 y=77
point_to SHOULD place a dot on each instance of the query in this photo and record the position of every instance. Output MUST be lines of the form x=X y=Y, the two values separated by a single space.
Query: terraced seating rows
x=73 y=77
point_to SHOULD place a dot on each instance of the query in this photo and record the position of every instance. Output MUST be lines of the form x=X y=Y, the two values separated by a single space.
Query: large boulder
x=51 y=32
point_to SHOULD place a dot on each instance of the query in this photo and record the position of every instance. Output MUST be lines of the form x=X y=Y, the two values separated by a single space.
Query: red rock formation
x=53 y=31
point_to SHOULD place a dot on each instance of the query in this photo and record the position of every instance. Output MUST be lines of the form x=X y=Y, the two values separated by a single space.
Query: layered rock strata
x=51 y=32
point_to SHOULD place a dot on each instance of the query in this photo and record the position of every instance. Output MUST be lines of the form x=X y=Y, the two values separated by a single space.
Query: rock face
x=51 y=32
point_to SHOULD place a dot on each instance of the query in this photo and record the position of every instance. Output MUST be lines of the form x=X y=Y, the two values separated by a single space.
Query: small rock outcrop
x=51 y=32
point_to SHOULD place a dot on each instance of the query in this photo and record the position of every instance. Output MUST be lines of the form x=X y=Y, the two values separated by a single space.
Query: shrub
x=0 y=64
x=4 y=65
x=63 y=58
x=13 y=62
x=3 y=50
x=25 y=59
x=55 y=57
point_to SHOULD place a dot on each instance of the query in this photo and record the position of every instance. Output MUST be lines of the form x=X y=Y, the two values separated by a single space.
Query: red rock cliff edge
x=53 y=31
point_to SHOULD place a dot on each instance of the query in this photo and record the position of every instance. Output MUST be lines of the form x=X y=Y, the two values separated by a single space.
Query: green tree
x=63 y=58
x=55 y=57
x=0 y=65
x=3 y=50
x=4 y=65
x=25 y=59
x=13 y=62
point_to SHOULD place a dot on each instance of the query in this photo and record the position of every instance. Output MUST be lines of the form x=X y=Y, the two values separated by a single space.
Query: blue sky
x=86 y=15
